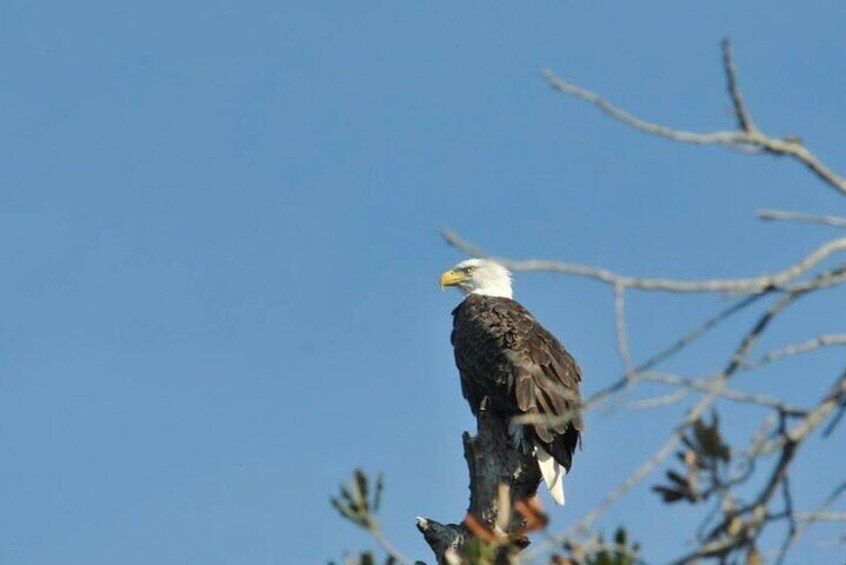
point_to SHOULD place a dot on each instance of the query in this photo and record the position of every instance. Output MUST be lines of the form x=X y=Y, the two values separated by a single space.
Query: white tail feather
x=553 y=474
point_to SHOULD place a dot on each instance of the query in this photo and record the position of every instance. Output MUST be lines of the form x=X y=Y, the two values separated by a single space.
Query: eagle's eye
x=468 y=270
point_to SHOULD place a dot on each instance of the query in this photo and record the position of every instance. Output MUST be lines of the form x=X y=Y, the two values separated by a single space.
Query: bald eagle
x=513 y=366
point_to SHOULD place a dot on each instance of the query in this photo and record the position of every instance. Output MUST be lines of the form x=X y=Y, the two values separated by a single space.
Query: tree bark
x=491 y=461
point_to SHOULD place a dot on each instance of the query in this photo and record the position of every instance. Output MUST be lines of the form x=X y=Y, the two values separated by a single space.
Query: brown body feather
x=503 y=354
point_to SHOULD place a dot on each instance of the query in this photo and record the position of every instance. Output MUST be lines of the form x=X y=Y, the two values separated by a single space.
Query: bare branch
x=727 y=139
x=792 y=520
x=658 y=401
x=708 y=385
x=801 y=154
x=828 y=278
x=800 y=529
x=822 y=516
x=798 y=348
x=688 y=338
x=747 y=139
x=835 y=420
x=723 y=539
x=828 y=220
x=739 y=286
x=699 y=330
x=835 y=397
x=622 y=338
x=813 y=418
x=839 y=540
x=744 y=122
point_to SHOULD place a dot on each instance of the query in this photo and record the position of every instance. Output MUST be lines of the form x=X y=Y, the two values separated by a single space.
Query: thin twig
x=659 y=401
x=678 y=345
x=788 y=441
x=728 y=139
x=798 y=348
x=800 y=529
x=699 y=330
x=744 y=122
x=724 y=538
x=839 y=540
x=824 y=219
x=822 y=516
x=622 y=338
x=793 y=527
x=707 y=385
x=835 y=420
x=813 y=418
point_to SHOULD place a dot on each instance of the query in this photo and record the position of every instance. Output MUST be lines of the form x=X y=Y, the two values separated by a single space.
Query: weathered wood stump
x=491 y=461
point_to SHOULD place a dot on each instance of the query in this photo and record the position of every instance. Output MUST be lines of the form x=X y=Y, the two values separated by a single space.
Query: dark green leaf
x=678 y=480
x=620 y=536
x=360 y=481
x=709 y=440
x=669 y=495
x=377 y=497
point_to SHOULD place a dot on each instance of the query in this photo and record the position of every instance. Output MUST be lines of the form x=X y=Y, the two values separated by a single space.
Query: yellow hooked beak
x=451 y=278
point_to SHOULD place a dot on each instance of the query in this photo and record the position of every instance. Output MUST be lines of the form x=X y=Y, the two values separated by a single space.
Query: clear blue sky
x=218 y=234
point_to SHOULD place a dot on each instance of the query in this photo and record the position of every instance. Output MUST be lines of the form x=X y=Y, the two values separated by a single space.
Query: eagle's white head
x=479 y=276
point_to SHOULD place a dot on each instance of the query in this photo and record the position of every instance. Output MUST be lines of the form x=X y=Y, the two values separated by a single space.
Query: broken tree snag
x=491 y=461
x=443 y=538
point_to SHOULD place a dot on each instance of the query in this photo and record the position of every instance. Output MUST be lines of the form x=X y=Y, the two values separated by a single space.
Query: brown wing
x=505 y=355
x=546 y=380
x=546 y=383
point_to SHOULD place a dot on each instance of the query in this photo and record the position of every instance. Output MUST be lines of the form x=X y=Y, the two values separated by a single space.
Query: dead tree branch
x=751 y=285
x=824 y=219
x=491 y=461
x=747 y=138
x=799 y=348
